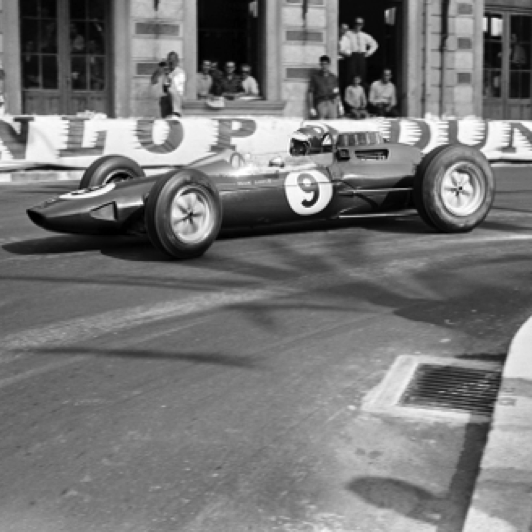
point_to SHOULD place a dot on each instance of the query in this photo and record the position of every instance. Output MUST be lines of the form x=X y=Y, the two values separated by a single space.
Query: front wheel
x=454 y=188
x=110 y=169
x=183 y=214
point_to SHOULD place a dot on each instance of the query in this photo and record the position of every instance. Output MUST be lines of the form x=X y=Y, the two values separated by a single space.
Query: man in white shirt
x=356 y=46
x=169 y=81
x=249 y=83
x=176 y=86
x=383 y=96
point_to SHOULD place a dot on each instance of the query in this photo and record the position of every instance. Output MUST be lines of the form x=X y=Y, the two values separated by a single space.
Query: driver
x=305 y=141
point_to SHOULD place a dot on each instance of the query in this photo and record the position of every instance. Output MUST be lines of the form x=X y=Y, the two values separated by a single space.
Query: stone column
x=11 y=56
x=190 y=46
x=412 y=35
x=272 y=49
x=122 y=62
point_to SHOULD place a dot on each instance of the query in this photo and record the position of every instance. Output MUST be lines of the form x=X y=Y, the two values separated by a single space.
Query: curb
x=502 y=499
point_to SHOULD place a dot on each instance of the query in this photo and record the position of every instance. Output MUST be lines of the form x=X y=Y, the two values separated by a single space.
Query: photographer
x=171 y=81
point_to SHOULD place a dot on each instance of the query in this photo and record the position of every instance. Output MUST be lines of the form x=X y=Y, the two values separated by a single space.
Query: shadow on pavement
x=447 y=511
x=196 y=358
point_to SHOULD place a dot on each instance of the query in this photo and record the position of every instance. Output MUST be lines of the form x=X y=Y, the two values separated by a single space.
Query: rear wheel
x=110 y=169
x=183 y=214
x=454 y=188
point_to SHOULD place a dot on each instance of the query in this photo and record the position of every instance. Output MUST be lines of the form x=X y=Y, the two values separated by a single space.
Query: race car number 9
x=308 y=192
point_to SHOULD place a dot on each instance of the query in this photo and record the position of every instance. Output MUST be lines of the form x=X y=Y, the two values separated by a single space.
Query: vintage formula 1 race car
x=326 y=176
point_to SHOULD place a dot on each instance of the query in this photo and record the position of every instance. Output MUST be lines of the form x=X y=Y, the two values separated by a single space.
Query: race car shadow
x=63 y=244
x=411 y=224
x=139 y=248
x=214 y=358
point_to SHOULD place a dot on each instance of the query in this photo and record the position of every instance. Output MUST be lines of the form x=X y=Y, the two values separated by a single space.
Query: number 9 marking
x=308 y=192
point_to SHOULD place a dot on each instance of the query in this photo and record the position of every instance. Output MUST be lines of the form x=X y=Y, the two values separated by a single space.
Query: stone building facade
x=441 y=52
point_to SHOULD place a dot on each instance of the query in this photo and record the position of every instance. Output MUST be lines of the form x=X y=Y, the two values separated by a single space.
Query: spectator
x=342 y=60
x=355 y=98
x=77 y=41
x=216 y=75
x=2 y=91
x=204 y=81
x=30 y=66
x=518 y=55
x=323 y=92
x=170 y=80
x=383 y=96
x=230 y=83
x=249 y=83
x=356 y=46
x=176 y=84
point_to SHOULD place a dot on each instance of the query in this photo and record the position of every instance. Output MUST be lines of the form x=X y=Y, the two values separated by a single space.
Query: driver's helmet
x=306 y=140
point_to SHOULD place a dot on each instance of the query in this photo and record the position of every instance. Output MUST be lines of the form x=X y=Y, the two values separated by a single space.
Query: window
x=493 y=24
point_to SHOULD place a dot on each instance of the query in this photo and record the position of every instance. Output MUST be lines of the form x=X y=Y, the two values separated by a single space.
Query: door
x=507 y=69
x=64 y=56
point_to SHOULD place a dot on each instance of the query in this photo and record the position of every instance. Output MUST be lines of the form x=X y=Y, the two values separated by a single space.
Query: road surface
x=226 y=393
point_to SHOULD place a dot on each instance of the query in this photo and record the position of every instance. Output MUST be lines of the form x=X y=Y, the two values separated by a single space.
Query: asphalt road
x=226 y=393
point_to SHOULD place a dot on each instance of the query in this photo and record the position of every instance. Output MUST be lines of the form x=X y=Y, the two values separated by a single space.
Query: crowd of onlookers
x=329 y=95
x=349 y=94
x=212 y=85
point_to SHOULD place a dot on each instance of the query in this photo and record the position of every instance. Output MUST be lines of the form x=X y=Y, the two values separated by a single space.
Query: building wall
x=144 y=35
x=451 y=65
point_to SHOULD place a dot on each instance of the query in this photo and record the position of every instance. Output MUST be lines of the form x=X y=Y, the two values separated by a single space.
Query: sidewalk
x=502 y=500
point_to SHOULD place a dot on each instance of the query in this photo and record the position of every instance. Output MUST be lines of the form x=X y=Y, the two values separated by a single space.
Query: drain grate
x=452 y=387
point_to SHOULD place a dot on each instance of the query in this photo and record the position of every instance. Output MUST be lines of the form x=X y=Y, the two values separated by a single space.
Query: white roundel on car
x=308 y=191
x=92 y=192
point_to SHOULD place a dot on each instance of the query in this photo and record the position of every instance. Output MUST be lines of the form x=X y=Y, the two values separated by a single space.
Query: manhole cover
x=450 y=387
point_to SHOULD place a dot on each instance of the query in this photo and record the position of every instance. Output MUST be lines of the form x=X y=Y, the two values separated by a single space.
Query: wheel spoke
x=181 y=203
x=193 y=200
x=455 y=178
x=195 y=225
x=200 y=210
x=468 y=189
x=466 y=178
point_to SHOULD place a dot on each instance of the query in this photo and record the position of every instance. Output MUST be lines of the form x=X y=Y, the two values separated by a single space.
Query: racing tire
x=454 y=188
x=183 y=214
x=110 y=169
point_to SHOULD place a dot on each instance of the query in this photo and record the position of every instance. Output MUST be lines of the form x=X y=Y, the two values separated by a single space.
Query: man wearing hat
x=356 y=46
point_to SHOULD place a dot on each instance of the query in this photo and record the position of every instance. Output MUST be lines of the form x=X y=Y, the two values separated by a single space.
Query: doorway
x=64 y=56
x=228 y=30
x=507 y=87
x=383 y=20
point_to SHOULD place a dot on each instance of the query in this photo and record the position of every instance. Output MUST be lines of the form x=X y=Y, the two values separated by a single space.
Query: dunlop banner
x=74 y=142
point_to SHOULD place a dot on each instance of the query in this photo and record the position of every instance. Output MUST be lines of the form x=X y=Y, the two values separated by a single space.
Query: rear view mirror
x=276 y=162
x=342 y=154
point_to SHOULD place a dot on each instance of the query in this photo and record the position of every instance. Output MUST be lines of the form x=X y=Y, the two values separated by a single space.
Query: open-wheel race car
x=326 y=176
